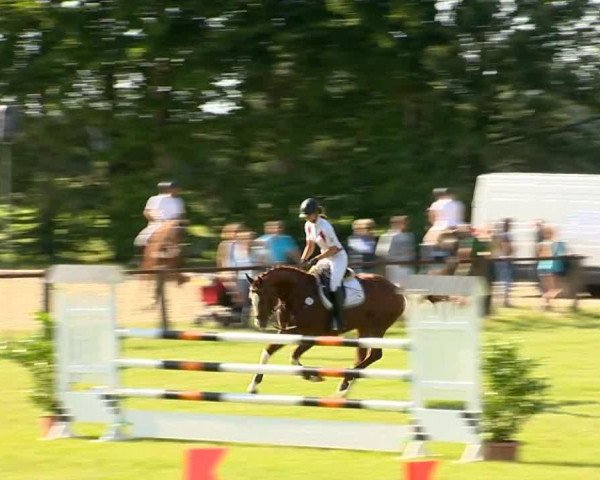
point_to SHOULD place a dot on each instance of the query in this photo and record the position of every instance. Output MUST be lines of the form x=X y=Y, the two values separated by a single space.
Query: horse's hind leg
x=295 y=360
x=264 y=358
x=374 y=355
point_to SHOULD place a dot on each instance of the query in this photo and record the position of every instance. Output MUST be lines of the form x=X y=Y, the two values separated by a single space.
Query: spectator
x=243 y=255
x=538 y=232
x=274 y=247
x=538 y=237
x=428 y=246
x=446 y=212
x=549 y=269
x=455 y=210
x=468 y=246
x=502 y=251
x=263 y=244
x=397 y=244
x=225 y=249
x=282 y=247
x=481 y=266
x=362 y=243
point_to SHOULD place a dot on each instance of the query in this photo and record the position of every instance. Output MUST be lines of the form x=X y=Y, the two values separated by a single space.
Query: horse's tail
x=403 y=303
x=402 y=298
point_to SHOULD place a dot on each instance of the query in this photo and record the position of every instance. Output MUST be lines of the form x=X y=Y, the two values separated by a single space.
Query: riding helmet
x=308 y=207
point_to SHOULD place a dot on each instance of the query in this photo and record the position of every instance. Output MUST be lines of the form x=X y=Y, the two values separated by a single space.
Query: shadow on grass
x=557 y=408
x=527 y=320
x=564 y=464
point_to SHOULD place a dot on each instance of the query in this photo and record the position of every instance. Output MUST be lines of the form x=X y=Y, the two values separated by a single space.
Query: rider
x=167 y=205
x=153 y=214
x=320 y=232
x=171 y=205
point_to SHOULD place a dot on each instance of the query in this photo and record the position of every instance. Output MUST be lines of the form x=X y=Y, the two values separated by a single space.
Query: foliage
x=255 y=105
x=512 y=392
x=36 y=353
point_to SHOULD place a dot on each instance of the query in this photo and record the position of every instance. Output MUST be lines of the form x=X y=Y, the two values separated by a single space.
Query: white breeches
x=144 y=236
x=338 y=265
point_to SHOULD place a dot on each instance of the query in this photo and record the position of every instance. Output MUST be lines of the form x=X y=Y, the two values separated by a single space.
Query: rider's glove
x=307 y=264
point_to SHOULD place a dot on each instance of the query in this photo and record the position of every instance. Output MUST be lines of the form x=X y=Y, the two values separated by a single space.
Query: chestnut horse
x=293 y=295
x=164 y=250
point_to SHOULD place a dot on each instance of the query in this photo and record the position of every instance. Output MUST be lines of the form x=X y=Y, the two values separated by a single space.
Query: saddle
x=354 y=294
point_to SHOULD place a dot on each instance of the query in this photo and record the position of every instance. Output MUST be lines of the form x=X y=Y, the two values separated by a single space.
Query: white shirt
x=322 y=233
x=170 y=208
x=455 y=213
x=448 y=212
x=153 y=202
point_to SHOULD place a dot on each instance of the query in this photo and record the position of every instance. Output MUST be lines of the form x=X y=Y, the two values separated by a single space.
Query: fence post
x=46 y=300
x=162 y=298
x=574 y=281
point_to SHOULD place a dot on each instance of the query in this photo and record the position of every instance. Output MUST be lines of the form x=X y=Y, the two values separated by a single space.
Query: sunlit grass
x=559 y=444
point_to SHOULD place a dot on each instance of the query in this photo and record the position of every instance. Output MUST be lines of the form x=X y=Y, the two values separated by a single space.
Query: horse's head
x=264 y=298
x=270 y=287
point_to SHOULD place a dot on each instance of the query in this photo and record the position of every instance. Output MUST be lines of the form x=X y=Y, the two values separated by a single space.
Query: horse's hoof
x=252 y=390
x=342 y=393
x=315 y=378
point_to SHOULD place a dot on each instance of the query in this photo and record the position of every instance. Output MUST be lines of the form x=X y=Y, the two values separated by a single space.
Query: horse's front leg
x=264 y=359
x=361 y=354
x=295 y=360
x=373 y=355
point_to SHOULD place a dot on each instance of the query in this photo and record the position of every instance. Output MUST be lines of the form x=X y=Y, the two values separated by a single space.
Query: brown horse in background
x=293 y=294
x=164 y=251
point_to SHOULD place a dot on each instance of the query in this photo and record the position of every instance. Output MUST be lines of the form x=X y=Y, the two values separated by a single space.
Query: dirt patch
x=20 y=299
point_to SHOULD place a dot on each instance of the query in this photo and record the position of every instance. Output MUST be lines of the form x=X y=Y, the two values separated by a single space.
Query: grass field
x=563 y=443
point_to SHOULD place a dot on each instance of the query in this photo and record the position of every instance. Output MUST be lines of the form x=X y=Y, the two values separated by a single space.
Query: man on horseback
x=320 y=232
x=167 y=205
x=153 y=214
x=171 y=205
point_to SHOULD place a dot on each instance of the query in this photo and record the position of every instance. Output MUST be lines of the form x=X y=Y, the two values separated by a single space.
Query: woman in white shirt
x=319 y=232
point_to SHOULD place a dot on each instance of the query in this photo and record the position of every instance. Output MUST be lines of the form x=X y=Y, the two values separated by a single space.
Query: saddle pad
x=354 y=294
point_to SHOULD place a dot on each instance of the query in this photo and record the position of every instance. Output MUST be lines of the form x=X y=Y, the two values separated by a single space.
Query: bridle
x=278 y=307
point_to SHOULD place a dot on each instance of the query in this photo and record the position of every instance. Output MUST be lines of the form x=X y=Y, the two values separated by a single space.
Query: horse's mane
x=280 y=268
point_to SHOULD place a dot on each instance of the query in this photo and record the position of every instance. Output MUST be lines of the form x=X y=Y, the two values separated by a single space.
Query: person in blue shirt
x=263 y=245
x=283 y=247
x=276 y=247
x=549 y=268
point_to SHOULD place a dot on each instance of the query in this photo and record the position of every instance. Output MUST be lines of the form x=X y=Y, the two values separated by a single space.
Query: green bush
x=512 y=393
x=36 y=354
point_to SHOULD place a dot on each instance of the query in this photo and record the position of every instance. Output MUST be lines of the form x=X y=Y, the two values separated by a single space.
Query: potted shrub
x=512 y=394
x=37 y=355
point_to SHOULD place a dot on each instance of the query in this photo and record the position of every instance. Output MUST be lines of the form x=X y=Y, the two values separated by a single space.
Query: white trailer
x=569 y=202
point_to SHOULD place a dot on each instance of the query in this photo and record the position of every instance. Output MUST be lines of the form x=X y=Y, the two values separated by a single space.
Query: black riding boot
x=337 y=320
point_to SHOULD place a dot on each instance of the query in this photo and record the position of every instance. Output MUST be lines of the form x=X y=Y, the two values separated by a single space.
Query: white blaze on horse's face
x=255 y=301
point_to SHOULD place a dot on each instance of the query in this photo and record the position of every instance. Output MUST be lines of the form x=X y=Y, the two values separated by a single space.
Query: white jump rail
x=264 y=338
x=380 y=374
x=443 y=349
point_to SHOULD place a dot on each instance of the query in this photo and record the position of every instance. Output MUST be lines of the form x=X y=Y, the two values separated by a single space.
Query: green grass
x=562 y=443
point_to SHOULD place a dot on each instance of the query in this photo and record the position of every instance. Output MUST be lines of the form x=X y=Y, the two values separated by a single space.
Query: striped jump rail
x=258 y=399
x=264 y=338
x=348 y=373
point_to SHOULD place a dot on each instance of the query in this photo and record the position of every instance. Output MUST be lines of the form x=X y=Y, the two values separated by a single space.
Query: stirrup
x=337 y=325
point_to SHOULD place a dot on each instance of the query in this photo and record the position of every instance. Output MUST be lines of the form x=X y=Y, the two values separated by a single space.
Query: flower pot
x=46 y=422
x=501 y=451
